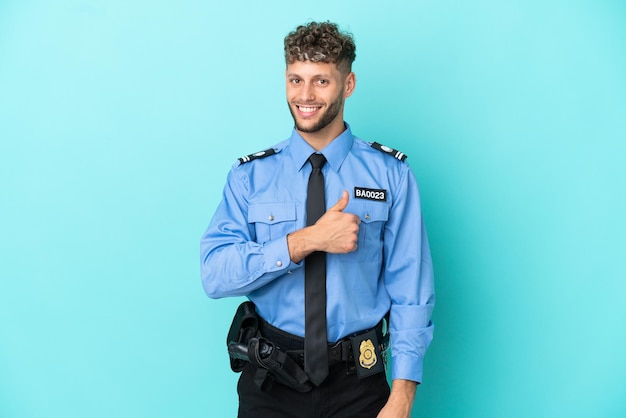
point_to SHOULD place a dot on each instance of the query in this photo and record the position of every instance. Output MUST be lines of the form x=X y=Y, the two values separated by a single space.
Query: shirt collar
x=335 y=152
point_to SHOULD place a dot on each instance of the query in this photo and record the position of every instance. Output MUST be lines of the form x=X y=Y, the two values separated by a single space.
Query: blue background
x=120 y=119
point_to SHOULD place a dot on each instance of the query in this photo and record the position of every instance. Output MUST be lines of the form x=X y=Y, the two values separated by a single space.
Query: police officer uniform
x=244 y=250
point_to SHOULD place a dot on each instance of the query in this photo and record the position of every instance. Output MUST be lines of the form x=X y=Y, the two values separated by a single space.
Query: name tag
x=370 y=194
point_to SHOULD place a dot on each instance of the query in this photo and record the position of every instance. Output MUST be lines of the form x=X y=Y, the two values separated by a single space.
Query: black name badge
x=367 y=355
x=370 y=194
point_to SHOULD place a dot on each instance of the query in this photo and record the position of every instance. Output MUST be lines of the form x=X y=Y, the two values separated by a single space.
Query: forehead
x=313 y=69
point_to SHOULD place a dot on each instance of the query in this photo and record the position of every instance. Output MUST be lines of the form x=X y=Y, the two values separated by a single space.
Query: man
x=370 y=242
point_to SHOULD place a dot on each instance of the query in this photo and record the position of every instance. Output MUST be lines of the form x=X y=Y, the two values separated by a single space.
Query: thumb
x=342 y=202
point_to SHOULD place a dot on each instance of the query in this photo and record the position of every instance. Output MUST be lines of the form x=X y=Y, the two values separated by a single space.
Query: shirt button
x=270 y=218
x=367 y=217
x=279 y=263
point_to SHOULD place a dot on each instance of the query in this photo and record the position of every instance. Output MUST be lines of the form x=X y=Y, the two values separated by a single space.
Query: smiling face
x=315 y=95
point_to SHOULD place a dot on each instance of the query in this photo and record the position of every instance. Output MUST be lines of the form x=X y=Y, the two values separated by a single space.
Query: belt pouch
x=244 y=327
x=267 y=358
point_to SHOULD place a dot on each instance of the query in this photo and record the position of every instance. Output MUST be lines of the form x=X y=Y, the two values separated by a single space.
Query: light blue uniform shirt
x=244 y=250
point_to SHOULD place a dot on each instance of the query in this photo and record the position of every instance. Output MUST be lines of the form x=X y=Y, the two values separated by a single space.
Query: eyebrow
x=314 y=76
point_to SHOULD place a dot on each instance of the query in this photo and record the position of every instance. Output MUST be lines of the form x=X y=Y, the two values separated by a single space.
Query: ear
x=349 y=85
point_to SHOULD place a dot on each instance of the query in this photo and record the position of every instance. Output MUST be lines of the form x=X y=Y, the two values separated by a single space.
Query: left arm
x=409 y=282
x=400 y=400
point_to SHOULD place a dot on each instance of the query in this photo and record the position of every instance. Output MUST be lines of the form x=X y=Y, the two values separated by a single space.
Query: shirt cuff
x=277 y=256
x=407 y=367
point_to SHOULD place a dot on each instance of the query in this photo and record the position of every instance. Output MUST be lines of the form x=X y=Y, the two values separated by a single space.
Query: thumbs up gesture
x=341 y=229
x=342 y=203
x=335 y=232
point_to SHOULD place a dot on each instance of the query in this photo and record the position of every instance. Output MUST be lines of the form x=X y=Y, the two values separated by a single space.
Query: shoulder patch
x=387 y=150
x=257 y=155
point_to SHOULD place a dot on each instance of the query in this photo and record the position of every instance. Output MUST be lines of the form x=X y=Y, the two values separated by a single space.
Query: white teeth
x=307 y=109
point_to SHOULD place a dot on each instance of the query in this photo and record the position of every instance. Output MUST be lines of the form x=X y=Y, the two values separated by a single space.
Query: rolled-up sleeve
x=408 y=276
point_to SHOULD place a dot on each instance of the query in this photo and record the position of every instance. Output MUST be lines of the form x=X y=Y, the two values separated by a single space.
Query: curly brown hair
x=321 y=42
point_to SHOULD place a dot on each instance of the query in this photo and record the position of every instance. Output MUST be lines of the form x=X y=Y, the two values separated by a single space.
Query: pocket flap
x=271 y=213
x=369 y=212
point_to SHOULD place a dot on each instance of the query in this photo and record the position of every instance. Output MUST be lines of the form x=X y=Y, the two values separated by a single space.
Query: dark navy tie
x=315 y=335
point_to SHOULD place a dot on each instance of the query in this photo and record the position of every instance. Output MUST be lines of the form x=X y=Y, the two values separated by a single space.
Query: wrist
x=299 y=244
x=403 y=390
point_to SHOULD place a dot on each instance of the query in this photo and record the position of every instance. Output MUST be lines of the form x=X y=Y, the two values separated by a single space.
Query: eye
x=322 y=81
x=294 y=80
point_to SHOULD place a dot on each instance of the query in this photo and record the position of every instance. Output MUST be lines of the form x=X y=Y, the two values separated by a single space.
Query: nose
x=307 y=94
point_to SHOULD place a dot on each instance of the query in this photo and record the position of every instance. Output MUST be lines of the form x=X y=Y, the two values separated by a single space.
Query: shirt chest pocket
x=370 y=242
x=272 y=220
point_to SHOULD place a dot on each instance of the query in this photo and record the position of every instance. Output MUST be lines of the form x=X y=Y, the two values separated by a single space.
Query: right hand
x=337 y=231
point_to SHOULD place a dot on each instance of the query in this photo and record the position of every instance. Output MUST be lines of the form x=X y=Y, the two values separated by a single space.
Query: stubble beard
x=326 y=118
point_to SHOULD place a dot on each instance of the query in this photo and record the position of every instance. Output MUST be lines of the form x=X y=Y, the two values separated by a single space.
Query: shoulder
x=386 y=153
x=256 y=156
x=399 y=155
x=267 y=154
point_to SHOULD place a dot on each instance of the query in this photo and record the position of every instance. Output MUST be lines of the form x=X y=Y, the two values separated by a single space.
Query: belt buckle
x=348 y=355
x=334 y=353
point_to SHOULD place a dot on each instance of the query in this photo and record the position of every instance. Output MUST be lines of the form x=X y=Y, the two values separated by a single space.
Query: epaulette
x=387 y=150
x=257 y=155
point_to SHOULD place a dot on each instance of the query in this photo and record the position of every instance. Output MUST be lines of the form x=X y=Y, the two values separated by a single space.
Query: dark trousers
x=341 y=395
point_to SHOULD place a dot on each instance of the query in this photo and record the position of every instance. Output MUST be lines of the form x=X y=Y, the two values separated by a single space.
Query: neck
x=320 y=139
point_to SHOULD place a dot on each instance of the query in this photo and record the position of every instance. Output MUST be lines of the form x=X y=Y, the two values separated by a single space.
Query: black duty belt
x=343 y=351
x=278 y=355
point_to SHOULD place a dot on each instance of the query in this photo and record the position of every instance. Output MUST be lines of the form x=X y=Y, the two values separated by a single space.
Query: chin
x=308 y=128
